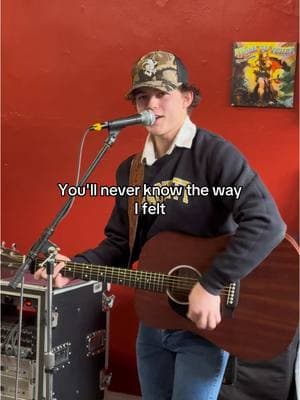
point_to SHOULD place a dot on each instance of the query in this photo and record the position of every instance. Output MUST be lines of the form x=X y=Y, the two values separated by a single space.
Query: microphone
x=146 y=117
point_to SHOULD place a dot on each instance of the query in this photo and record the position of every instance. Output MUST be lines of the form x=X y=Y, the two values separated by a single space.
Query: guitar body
x=266 y=317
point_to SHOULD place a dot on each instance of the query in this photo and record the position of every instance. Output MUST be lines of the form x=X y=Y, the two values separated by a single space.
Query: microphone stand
x=43 y=244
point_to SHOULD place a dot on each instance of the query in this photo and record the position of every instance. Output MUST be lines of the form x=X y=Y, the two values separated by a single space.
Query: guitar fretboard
x=152 y=281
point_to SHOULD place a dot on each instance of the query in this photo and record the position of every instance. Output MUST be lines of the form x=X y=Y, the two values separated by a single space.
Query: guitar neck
x=151 y=281
x=154 y=282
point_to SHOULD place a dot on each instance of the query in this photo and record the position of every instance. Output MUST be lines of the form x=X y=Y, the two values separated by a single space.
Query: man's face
x=170 y=109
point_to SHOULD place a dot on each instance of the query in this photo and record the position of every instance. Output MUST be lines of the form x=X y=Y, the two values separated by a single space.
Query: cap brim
x=152 y=84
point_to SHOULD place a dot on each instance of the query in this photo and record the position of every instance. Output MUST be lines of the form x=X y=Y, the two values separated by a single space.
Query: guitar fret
x=156 y=282
x=154 y=287
x=105 y=273
x=117 y=275
x=122 y=276
x=100 y=274
x=160 y=287
x=87 y=268
x=152 y=280
x=162 y=283
x=140 y=280
x=132 y=278
x=149 y=280
x=146 y=280
x=129 y=278
x=72 y=270
x=135 y=275
x=112 y=278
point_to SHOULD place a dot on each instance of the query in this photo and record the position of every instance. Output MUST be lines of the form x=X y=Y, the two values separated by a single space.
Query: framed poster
x=263 y=74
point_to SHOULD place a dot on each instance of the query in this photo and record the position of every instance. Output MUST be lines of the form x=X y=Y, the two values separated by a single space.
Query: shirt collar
x=184 y=138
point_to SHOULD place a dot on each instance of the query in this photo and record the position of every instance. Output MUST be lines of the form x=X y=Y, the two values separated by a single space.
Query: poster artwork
x=263 y=74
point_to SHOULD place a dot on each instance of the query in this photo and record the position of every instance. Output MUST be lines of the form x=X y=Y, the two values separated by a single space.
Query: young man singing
x=174 y=364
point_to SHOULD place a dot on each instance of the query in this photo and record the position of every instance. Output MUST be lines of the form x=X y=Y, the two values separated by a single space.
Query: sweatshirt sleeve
x=114 y=250
x=260 y=227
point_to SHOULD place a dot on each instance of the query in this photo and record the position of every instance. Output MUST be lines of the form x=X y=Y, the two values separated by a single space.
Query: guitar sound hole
x=181 y=281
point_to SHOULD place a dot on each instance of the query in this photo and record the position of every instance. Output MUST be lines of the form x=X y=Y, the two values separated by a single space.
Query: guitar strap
x=136 y=178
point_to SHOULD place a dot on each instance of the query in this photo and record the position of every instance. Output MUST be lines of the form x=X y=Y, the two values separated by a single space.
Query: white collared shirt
x=184 y=138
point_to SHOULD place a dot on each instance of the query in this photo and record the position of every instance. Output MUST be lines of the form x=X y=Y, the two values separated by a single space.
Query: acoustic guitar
x=259 y=313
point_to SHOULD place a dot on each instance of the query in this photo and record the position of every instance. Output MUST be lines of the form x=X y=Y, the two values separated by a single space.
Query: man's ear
x=188 y=98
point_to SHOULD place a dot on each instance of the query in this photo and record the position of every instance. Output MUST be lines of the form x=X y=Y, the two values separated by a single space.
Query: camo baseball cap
x=160 y=70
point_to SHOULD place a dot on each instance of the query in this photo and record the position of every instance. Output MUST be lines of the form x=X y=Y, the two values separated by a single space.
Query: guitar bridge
x=232 y=298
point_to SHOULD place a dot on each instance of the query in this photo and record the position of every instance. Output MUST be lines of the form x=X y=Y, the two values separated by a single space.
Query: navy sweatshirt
x=250 y=213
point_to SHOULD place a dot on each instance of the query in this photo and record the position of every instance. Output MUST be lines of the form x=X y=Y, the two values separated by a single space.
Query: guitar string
x=181 y=282
x=88 y=269
x=81 y=268
x=178 y=288
x=176 y=282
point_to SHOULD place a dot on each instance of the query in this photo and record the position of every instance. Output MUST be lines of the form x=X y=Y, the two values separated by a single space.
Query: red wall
x=66 y=63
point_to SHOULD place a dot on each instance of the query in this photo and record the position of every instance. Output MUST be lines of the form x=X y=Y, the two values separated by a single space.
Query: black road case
x=79 y=342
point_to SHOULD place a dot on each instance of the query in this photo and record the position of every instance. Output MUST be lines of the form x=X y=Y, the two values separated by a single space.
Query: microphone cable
x=82 y=142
